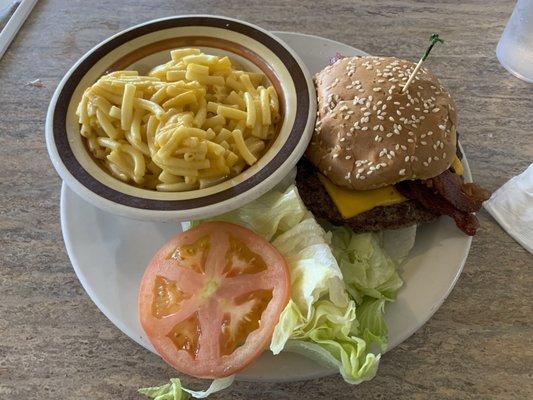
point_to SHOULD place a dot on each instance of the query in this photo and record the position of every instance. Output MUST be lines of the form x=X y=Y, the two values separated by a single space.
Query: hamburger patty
x=318 y=201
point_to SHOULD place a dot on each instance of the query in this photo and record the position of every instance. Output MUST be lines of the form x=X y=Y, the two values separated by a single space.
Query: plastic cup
x=515 y=48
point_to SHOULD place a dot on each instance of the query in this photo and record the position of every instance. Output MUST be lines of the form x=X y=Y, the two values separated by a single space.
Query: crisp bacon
x=447 y=194
x=466 y=197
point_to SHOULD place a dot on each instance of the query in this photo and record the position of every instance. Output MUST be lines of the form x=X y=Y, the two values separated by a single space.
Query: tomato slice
x=210 y=298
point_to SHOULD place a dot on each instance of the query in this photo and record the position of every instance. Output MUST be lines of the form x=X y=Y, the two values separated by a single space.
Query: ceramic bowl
x=141 y=48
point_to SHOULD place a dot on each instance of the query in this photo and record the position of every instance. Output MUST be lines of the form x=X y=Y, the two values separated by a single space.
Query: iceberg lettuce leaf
x=175 y=391
x=366 y=268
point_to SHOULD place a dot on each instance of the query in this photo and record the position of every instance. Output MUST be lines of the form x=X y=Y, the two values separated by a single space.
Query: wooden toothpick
x=434 y=40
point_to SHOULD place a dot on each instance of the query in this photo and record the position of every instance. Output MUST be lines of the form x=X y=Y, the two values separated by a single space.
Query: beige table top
x=55 y=343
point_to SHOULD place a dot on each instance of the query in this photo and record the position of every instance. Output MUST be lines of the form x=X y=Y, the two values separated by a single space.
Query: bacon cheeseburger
x=383 y=159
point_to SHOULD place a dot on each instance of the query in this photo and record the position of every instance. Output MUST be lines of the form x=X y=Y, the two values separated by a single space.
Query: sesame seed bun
x=369 y=134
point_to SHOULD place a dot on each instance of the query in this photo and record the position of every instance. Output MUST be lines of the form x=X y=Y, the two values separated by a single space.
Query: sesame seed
x=410 y=140
x=348 y=157
x=403 y=147
x=436 y=109
x=425 y=164
x=406 y=159
x=402 y=171
x=364 y=128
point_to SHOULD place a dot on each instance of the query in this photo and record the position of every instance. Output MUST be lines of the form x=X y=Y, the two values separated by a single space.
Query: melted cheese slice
x=351 y=203
x=457 y=166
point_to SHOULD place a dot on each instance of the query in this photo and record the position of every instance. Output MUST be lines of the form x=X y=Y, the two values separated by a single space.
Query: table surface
x=55 y=343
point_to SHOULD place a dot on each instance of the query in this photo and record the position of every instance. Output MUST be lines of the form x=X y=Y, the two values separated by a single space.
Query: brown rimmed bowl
x=146 y=45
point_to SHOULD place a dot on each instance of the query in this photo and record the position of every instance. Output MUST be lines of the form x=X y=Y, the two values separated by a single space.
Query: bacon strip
x=466 y=197
x=432 y=200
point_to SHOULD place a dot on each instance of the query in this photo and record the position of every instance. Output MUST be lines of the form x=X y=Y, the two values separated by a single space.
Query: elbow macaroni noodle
x=191 y=123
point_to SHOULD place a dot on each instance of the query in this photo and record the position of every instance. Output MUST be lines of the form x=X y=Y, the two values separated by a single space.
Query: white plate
x=109 y=254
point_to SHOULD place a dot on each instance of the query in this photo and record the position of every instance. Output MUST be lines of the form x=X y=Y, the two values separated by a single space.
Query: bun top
x=368 y=134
